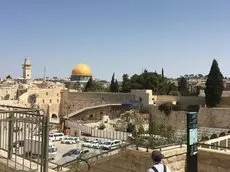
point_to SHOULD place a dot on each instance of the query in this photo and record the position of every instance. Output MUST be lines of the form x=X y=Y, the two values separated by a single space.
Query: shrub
x=102 y=127
x=166 y=108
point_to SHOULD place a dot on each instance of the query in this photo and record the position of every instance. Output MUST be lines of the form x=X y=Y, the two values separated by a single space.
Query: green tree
x=126 y=85
x=141 y=130
x=162 y=73
x=89 y=86
x=8 y=77
x=214 y=85
x=112 y=83
x=116 y=86
x=94 y=86
x=151 y=128
x=183 y=87
x=153 y=81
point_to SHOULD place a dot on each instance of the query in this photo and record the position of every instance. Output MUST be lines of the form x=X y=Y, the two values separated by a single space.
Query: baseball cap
x=157 y=156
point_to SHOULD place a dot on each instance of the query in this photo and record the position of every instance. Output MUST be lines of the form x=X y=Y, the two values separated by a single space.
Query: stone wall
x=214 y=117
x=208 y=117
x=213 y=161
x=96 y=114
x=136 y=161
x=73 y=101
x=176 y=119
x=184 y=100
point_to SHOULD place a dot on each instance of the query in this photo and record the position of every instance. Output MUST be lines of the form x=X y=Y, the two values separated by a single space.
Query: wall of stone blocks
x=208 y=117
x=73 y=101
x=136 y=161
x=213 y=161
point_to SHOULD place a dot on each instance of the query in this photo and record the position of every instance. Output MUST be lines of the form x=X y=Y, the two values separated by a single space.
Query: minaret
x=26 y=67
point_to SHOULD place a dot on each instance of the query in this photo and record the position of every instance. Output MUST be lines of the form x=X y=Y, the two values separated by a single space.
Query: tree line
x=161 y=85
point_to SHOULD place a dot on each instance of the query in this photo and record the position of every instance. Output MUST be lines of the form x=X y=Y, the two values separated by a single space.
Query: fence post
x=10 y=136
x=46 y=143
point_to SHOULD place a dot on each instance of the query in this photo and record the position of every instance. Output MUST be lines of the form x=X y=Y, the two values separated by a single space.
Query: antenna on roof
x=44 y=73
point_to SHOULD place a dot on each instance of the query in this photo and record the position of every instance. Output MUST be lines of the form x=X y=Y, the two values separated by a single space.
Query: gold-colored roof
x=81 y=70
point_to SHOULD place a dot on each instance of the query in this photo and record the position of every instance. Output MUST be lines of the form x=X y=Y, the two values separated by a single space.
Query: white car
x=93 y=143
x=87 y=143
x=77 y=139
x=56 y=136
x=68 y=140
x=111 y=144
x=99 y=144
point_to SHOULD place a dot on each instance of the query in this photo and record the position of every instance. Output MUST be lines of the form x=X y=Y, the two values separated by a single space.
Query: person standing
x=158 y=165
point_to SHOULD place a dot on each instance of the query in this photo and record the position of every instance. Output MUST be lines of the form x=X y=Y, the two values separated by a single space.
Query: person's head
x=157 y=156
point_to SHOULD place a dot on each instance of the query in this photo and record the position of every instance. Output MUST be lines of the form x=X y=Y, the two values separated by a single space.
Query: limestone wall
x=177 y=119
x=136 y=161
x=184 y=100
x=73 y=101
x=208 y=117
x=45 y=97
x=213 y=161
x=10 y=91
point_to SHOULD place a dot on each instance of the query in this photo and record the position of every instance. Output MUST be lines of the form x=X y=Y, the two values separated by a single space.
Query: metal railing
x=220 y=143
x=86 y=163
x=77 y=163
x=24 y=139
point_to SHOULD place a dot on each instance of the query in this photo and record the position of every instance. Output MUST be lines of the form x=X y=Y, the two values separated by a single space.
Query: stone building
x=27 y=73
x=47 y=98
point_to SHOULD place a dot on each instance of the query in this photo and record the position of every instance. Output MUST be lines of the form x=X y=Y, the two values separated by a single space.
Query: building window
x=57 y=94
x=57 y=100
x=47 y=93
x=54 y=116
x=50 y=101
x=43 y=101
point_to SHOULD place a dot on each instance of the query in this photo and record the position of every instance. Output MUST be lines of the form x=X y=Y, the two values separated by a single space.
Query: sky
x=121 y=36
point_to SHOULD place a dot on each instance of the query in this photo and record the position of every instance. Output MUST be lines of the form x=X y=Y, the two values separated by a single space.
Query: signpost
x=192 y=139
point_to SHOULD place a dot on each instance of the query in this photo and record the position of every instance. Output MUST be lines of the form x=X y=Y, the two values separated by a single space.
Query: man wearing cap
x=158 y=166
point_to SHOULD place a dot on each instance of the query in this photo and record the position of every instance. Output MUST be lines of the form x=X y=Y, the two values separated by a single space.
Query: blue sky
x=121 y=36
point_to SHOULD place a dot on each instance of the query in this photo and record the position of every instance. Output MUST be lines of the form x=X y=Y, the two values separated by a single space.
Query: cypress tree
x=116 y=86
x=182 y=87
x=214 y=85
x=162 y=73
x=89 y=85
x=112 y=84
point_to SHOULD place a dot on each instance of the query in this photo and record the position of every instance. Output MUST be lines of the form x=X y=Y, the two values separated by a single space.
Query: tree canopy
x=214 y=85
x=148 y=80
x=183 y=87
x=114 y=86
x=93 y=86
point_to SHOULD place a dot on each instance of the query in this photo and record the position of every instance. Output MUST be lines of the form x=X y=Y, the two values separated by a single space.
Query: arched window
x=213 y=136
x=54 y=116
x=222 y=134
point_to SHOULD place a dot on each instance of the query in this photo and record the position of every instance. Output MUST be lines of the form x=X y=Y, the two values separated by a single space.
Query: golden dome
x=81 y=70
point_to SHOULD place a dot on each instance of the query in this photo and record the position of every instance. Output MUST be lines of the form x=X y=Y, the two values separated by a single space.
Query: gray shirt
x=159 y=167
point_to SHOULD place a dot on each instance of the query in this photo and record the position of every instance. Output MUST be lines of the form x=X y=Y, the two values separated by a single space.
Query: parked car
x=71 y=152
x=56 y=136
x=99 y=144
x=77 y=139
x=75 y=153
x=69 y=140
x=111 y=144
x=87 y=143
x=93 y=143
